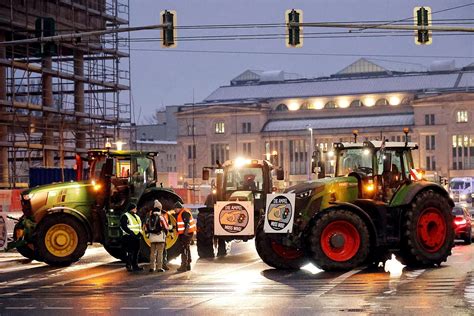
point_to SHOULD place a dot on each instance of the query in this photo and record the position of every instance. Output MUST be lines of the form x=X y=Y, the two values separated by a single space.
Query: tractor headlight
x=304 y=194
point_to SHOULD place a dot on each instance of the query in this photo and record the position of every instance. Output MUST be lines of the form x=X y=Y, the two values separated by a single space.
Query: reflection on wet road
x=237 y=284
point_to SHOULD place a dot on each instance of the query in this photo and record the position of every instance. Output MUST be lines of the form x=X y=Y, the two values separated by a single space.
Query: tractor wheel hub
x=337 y=240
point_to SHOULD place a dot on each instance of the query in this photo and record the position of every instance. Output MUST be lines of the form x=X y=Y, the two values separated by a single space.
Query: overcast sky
x=162 y=77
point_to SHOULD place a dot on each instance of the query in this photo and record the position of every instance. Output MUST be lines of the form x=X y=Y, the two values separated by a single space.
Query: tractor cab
x=123 y=174
x=379 y=167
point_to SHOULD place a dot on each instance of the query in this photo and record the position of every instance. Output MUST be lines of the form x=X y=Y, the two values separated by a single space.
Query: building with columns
x=273 y=115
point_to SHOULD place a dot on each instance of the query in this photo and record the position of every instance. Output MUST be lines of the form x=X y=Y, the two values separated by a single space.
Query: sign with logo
x=3 y=231
x=279 y=213
x=233 y=218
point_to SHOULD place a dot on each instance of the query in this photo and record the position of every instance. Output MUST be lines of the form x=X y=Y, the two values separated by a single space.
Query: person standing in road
x=166 y=217
x=131 y=235
x=156 y=227
x=186 y=228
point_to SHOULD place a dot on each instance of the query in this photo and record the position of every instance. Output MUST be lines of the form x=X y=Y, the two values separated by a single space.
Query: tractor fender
x=357 y=210
x=408 y=192
x=154 y=192
x=76 y=214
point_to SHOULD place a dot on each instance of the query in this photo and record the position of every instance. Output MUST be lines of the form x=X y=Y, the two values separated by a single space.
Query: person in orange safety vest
x=186 y=226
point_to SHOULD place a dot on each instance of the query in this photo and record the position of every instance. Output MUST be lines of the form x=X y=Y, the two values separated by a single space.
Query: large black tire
x=468 y=237
x=61 y=240
x=205 y=234
x=116 y=252
x=173 y=246
x=427 y=231
x=339 y=240
x=274 y=254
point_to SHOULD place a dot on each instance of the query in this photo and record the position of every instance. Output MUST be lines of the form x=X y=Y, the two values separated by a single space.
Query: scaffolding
x=55 y=105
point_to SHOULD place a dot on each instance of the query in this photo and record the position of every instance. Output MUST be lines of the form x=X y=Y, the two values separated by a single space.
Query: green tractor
x=376 y=204
x=60 y=219
x=236 y=180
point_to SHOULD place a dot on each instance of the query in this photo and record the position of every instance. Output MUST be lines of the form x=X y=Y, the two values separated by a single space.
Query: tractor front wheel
x=275 y=254
x=205 y=234
x=339 y=240
x=428 y=233
x=61 y=240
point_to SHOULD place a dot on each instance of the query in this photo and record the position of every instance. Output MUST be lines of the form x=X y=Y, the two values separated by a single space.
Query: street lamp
x=310 y=152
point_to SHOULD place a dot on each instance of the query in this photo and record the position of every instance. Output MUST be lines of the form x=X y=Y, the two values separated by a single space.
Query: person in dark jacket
x=131 y=226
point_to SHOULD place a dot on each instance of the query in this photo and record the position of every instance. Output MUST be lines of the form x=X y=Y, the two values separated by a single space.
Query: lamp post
x=310 y=153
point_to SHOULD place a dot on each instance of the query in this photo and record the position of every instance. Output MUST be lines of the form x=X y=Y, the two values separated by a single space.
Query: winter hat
x=157 y=204
x=131 y=206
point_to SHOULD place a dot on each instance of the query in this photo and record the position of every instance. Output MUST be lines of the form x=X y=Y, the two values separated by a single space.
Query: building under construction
x=58 y=99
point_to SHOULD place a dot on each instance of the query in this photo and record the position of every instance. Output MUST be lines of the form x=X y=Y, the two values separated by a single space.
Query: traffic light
x=168 y=34
x=423 y=19
x=294 y=33
x=45 y=27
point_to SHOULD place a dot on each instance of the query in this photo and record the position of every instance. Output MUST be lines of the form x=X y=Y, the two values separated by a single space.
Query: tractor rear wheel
x=339 y=240
x=61 y=240
x=275 y=254
x=205 y=234
x=427 y=233
x=173 y=246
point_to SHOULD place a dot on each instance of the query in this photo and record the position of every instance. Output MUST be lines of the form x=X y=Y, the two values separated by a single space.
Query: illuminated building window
x=220 y=128
x=356 y=104
x=330 y=105
x=281 y=107
x=430 y=141
x=382 y=101
x=246 y=128
x=461 y=116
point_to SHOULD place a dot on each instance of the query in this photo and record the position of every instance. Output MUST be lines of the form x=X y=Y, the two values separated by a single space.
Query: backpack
x=154 y=223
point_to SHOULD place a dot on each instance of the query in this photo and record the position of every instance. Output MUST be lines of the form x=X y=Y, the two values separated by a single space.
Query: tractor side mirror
x=205 y=174
x=280 y=174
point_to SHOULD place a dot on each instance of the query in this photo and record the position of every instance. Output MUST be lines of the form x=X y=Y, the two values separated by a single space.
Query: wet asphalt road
x=240 y=284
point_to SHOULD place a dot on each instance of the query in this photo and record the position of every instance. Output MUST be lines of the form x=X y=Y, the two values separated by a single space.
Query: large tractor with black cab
x=60 y=219
x=242 y=180
x=376 y=204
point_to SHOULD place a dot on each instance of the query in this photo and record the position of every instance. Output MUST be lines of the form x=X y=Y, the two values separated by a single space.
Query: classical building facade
x=265 y=115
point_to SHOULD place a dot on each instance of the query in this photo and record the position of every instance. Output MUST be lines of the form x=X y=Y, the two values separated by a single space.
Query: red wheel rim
x=348 y=241
x=431 y=229
x=286 y=252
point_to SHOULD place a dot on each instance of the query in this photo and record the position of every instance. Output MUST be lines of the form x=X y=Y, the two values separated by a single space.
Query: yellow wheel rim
x=61 y=240
x=172 y=236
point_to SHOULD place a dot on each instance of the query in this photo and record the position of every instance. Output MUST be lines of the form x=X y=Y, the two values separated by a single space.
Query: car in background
x=463 y=224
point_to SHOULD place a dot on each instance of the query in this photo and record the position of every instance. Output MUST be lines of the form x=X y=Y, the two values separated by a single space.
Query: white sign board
x=3 y=230
x=280 y=213
x=233 y=218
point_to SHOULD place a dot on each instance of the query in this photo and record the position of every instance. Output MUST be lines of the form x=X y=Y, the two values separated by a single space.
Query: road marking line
x=417 y=307
x=96 y=308
x=20 y=307
x=335 y=282
x=138 y=308
x=58 y=307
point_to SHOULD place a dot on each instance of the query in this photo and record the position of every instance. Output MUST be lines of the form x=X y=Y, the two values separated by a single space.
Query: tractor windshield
x=243 y=179
x=354 y=159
